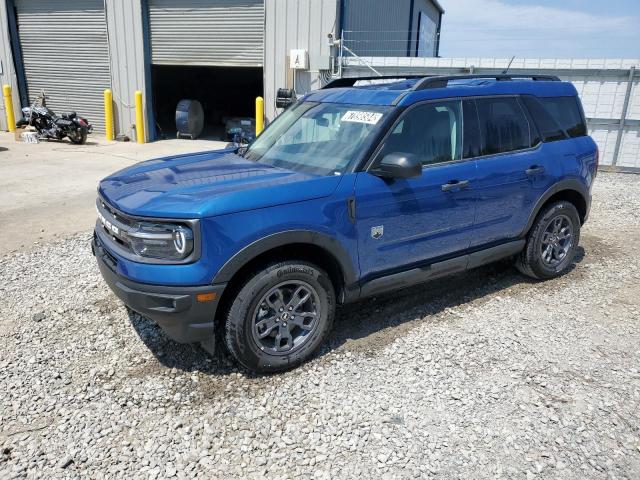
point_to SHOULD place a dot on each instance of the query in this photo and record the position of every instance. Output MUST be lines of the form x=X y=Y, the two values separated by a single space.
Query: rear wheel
x=280 y=317
x=552 y=242
x=79 y=136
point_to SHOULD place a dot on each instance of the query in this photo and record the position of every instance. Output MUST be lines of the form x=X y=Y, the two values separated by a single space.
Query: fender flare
x=331 y=245
x=564 y=185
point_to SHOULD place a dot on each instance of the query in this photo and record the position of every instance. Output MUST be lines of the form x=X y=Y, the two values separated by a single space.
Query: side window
x=503 y=125
x=567 y=111
x=432 y=131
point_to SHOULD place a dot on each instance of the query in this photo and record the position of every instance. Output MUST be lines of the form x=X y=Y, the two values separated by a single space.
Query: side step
x=493 y=254
x=416 y=276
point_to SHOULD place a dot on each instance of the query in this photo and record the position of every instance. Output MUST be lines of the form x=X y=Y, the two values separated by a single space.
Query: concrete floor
x=48 y=190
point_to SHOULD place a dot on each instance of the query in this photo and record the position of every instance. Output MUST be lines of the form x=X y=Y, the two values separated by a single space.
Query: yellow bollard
x=108 y=114
x=8 y=106
x=139 y=117
x=259 y=115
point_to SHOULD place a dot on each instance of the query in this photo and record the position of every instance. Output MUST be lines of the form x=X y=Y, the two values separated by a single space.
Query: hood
x=208 y=184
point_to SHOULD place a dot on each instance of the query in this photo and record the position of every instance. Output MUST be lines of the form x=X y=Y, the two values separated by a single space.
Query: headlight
x=161 y=240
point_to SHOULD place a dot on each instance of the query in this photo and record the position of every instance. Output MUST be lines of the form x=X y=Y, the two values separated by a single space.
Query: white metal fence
x=610 y=91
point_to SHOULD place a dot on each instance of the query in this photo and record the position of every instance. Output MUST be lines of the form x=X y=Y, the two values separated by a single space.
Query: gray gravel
x=484 y=375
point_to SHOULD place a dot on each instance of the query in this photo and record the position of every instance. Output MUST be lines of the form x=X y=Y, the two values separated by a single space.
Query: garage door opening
x=224 y=92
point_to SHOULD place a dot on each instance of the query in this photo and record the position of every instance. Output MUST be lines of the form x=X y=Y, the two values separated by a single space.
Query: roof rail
x=351 y=81
x=437 y=81
x=443 y=81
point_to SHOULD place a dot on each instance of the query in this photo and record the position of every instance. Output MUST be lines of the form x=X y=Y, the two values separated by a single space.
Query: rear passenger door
x=513 y=172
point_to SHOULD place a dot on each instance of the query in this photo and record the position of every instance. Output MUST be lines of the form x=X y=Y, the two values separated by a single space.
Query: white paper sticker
x=370 y=118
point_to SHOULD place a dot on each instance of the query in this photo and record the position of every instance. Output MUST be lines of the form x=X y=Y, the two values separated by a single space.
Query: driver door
x=404 y=222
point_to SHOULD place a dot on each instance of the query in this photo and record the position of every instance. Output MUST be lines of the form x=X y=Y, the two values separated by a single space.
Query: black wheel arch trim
x=309 y=237
x=564 y=185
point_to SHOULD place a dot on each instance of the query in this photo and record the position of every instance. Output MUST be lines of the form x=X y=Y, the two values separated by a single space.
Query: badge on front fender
x=377 y=232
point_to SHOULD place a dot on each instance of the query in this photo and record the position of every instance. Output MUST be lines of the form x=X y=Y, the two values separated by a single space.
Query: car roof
x=408 y=91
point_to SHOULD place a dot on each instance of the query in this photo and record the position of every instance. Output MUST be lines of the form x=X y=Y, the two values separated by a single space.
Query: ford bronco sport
x=353 y=191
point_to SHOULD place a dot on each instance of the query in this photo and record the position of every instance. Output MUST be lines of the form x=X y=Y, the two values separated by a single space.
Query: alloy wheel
x=557 y=241
x=286 y=317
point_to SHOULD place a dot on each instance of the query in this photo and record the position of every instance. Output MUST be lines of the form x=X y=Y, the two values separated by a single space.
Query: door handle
x=534 y=170
x=455 y=184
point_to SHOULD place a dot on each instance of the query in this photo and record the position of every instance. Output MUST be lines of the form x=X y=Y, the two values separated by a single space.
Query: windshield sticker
x=370 y=118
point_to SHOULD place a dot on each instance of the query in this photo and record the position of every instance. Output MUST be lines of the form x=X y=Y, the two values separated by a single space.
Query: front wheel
x=552 y=242
x=280 y=317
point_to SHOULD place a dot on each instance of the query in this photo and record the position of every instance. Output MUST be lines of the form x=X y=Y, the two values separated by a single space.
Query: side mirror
x=242 y=150
x=398 y=165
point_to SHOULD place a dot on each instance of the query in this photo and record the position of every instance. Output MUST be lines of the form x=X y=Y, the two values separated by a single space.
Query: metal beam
x=612 y=122
x=411 y=8
x=623 y=118
x=152 y=131
x=351 y=69
x=16 y=49
x=610 y=168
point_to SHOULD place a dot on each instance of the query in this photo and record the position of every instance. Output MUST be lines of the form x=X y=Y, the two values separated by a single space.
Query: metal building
x=223 y=53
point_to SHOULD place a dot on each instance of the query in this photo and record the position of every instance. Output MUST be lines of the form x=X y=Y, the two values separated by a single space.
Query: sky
x=541 y=28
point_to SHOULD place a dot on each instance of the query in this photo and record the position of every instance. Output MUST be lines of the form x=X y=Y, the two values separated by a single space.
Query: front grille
x=114 y=225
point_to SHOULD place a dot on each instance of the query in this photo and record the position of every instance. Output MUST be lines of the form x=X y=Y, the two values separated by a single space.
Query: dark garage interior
x=224 y=92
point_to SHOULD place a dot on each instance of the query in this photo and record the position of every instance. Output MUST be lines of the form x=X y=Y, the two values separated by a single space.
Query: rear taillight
x=595 y=172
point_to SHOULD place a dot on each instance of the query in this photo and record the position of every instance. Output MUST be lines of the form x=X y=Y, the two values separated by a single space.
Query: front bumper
x=176 y=310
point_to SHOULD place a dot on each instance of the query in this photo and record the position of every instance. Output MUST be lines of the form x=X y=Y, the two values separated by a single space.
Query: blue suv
x=353 y=191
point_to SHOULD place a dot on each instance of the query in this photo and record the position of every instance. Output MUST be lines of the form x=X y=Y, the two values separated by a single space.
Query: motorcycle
x=50 y=125
x=240 y=131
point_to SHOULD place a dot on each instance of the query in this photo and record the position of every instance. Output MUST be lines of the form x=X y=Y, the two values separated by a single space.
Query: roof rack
x=443 y=81
x=351 y=81
x=437 y=81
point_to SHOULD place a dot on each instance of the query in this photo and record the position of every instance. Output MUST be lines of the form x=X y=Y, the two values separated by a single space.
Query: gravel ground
x=484 y=375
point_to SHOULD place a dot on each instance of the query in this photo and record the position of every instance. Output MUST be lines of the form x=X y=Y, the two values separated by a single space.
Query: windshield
x=318 y=138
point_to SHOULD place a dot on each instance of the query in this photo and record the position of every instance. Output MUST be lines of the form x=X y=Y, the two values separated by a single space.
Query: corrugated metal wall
x=379 y=28
x=65 y=54
x=207 y=32
x=293 y=24
x=601 y=83
x=7 y=70
x=126 y=48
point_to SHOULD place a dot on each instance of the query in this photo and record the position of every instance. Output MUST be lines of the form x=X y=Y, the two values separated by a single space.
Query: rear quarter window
x=548 y=127
x=567 y=112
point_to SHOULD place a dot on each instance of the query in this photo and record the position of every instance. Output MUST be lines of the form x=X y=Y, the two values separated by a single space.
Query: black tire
x=242 y=328
x=532 y=261
x=80 y=136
